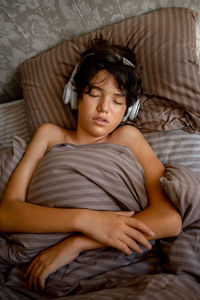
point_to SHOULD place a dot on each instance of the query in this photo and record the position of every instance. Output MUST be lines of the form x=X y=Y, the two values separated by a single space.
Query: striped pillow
x=183 y=188
x=9 y=160
x=176 y=147
x=13 y=121
x=165 y=45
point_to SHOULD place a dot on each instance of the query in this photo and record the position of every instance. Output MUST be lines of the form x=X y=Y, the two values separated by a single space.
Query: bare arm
x=18 y=215
x=161 y=216
x=54 y=258
x=50 y=260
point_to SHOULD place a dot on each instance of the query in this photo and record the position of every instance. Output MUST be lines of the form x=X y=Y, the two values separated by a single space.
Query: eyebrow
x=100 y=89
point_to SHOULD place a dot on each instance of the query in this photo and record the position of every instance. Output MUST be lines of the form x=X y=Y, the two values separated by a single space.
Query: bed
x=41 y=43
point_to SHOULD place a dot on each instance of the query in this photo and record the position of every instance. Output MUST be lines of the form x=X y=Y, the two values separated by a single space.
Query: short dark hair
x=103 y=56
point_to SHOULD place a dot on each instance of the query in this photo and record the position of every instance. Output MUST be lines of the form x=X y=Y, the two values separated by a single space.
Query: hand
x=50 y=260
x=117 y=229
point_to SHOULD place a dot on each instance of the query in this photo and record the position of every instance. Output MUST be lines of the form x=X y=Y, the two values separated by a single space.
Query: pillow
x=176 y=147
x=180 y=255
x=9 y=161
x=165 y=46
x=183 y=188
x=13 y=121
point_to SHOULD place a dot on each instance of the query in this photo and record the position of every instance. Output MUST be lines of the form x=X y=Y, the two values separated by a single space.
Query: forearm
x=161 y=215
x=163 y=221
x=19 y=216
x=55 y=257
x=83 y=243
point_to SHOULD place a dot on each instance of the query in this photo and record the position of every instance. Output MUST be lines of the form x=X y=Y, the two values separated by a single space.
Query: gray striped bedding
x=13 y=122
x=132 y=279
x=113 y=175
x=177 y=147
x=171 y=269
x=9 y=159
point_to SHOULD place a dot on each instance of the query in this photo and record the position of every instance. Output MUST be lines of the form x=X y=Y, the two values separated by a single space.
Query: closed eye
x=118 y=102
x=93 y=94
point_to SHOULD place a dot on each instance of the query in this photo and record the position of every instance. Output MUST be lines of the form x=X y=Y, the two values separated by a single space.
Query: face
x=101 y=111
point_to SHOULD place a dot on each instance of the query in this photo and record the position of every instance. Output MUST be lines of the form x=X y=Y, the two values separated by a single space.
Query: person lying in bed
x=107 y=84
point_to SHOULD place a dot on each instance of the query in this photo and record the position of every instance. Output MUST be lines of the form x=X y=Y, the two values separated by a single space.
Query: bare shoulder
x=47 y=128
x=127 y=135
x=44 y=138
x=50 y=134
x=130 y=136
x=130 y=130
x=45 y=135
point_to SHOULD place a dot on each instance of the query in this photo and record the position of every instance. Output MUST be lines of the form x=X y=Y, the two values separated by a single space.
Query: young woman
x=107 y=84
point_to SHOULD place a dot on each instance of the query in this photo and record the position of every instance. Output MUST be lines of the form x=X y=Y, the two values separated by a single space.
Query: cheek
x=121 y=112
x=85 y=111
x=118 y=117
x=83 y=106
x=86 y=104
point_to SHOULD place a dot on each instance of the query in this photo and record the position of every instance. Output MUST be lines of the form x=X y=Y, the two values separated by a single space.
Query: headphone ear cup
x=132 y=111
x=66 y=93
x=69 y=95
x=74 y=100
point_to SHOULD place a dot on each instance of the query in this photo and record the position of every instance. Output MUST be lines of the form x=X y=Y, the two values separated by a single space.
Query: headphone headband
x=70 y=96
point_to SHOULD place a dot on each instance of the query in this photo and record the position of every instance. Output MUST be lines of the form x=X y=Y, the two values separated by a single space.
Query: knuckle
x=113 y=240
x=41 y=279
x=137 y=223
x=42 y=257
x=126 y=250
x=123 y=248
x=132 y=244
x=137 y=234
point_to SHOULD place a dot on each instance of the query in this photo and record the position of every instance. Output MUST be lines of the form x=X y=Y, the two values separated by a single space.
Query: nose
x=103 y=105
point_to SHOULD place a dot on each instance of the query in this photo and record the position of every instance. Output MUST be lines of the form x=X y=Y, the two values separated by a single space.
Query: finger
x=30 y=267
x=38 y=281
x=35 y=284
x=42 y=279
x=140 y=226
x=126 y=244
x=35 y=280
x=33 y=276
x=139 y=238
x=39 y=278
x=134 y=246
x=123 y=247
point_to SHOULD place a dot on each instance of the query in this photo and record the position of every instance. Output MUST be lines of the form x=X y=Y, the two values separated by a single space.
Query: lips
x=100 y=121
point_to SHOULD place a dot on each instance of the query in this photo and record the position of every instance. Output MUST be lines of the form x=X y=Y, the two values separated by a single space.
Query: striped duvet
x=107 y=177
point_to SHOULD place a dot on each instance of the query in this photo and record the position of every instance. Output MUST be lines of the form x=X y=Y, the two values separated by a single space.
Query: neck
x=81 y=138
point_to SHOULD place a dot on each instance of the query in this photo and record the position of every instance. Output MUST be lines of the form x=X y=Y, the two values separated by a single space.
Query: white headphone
x=132 y=111
x=70 y=96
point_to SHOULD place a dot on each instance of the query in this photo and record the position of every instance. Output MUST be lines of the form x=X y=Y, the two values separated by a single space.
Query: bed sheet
x=177 y=147
x=169 y=270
